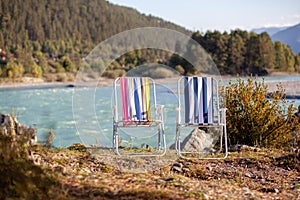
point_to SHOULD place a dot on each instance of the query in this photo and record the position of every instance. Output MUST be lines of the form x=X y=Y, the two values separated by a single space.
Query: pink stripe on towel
x=124 y=95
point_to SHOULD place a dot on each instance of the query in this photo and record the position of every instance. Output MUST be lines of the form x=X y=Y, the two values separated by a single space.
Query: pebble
x=263 y=181
x=60 y=169
x=245 y=188
x=209 y=168
x=184 y=170
x=205 y=196
x=248 y=175
x=177 y=169
x=177 y=164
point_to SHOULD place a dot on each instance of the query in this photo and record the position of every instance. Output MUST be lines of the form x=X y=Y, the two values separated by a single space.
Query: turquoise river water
x=51 y=107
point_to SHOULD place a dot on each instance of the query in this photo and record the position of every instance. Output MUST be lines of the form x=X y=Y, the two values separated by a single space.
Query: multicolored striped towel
x=135 y=94
x=198 y=100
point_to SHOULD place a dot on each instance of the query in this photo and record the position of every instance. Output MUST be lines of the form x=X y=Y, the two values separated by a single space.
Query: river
x=51 y=107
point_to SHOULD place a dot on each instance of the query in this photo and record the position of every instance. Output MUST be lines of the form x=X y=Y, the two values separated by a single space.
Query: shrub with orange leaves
x=256 y=117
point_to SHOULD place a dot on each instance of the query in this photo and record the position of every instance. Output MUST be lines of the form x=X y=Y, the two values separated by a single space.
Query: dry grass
x=75 y=173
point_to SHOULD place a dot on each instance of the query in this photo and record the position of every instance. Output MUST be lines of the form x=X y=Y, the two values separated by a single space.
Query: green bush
x=36 y=71
x=180 y=69
x=253 y=119
x=161 y=72
x=112 y=74
x=67 y=64
x=155 y=71
x=61 y=77
x=13 y=70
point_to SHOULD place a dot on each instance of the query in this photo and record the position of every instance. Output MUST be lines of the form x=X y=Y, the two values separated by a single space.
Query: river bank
x=292 y=87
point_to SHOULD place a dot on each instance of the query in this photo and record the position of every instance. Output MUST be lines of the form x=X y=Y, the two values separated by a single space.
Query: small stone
x=184 y=170
x=245 y=188
x=263 y=181
x=60 y=169
x=177 y=169
x=177 y=164
x=169 y=179
x=209 y=168
x=205 y=196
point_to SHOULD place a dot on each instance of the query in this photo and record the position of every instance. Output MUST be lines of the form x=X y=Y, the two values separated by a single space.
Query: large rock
x=10 y=126
x=198 y=140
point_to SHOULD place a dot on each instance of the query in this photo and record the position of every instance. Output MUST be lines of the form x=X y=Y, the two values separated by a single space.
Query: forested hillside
x=40 y=37
x=72 y=22
x=248 y=53
x=47 y=38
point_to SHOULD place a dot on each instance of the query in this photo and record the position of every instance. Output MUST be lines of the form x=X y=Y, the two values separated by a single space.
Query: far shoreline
x=292 y=87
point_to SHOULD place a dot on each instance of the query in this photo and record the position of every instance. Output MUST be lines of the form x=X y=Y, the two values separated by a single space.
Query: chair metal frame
x=156 y=121
x=220 y=122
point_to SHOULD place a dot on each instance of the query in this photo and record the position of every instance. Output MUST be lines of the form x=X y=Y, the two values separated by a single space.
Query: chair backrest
x=200 y=100
x=135 y=96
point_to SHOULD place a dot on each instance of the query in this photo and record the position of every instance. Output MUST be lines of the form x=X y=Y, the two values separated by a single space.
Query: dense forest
x=47 y=38
x=248 y=53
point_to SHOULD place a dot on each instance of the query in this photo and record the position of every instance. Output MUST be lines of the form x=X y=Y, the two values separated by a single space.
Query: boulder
x=198 y=140
x=10 y=126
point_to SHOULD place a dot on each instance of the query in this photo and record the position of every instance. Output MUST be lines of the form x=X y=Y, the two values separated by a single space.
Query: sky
x=222 y=15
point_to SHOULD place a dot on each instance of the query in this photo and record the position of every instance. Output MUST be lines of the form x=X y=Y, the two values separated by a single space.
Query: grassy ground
x=75 y=173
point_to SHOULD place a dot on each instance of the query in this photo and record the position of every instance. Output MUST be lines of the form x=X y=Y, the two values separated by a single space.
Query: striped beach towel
x=135 y=94
x=198 y=100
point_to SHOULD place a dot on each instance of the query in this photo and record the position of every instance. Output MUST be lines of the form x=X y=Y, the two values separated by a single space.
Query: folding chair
x=135 y=110
x=198 y=108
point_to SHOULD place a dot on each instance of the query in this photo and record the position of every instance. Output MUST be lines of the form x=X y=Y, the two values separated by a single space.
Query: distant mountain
x=289 y=36
x=270 y=30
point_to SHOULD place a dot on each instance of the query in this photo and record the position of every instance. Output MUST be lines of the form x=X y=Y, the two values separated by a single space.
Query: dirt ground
x=250 y=173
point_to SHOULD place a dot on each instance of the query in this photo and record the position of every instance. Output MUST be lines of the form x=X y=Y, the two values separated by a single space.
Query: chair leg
x=158 y=135
x=176 y=137
x=177 y=142
x=221 y=138
x=164 y=140
x=115 y=140
x=225 y=142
